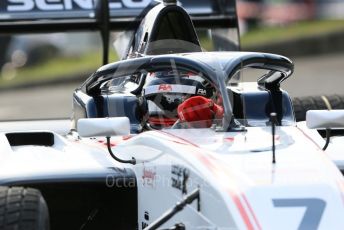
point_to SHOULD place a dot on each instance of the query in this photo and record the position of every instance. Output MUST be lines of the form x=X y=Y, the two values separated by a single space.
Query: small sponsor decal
x=202 y=92
x=146 y=215
x=165 y=88
x=180 y=176
x=149 y=176
x=144 y=224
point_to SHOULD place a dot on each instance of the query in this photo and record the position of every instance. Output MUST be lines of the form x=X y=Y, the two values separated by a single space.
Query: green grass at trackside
x=59 y=67
x=263 y=35
x=68 y=66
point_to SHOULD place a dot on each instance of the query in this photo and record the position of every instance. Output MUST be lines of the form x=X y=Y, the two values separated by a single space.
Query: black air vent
x=39 y=138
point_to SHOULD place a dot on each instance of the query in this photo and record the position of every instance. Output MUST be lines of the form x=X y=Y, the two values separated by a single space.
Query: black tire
x=303 y=104
x=22 y=209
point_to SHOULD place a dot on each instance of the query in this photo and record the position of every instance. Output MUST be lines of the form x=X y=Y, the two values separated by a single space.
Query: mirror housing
x=325 y=119
x=103 y=127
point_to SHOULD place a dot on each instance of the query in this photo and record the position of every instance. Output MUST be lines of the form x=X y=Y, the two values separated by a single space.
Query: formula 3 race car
x=128 y=164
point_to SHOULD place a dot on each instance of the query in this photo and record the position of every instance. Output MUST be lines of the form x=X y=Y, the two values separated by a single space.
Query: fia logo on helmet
x=202 y=92
x=46 y=5
x=165 y=88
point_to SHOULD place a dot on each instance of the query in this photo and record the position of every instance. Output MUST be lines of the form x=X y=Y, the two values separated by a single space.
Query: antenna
x=273 y=127
x=328 y=139
x=132 y=161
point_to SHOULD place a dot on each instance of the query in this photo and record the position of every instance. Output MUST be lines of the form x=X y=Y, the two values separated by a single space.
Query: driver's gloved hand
x=199 y=108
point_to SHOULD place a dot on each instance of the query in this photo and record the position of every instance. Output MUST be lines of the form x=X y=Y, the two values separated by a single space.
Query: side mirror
x=103 y=127
x=325 y=119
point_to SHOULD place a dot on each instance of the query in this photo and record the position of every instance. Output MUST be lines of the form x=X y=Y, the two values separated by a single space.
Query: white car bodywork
x=239 y=184
x=240 y=187
x=231 y=166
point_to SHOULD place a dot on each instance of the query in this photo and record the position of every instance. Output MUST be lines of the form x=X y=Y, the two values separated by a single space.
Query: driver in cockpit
x=170 y=98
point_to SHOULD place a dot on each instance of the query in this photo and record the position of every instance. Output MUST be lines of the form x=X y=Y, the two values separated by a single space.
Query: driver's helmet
x=165 y=90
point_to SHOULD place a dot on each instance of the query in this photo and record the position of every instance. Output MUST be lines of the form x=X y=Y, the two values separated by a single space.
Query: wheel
x=303 y=104
x=22 y=209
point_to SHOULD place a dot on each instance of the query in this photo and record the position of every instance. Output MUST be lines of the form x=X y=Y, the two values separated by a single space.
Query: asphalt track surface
x=319 y=75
